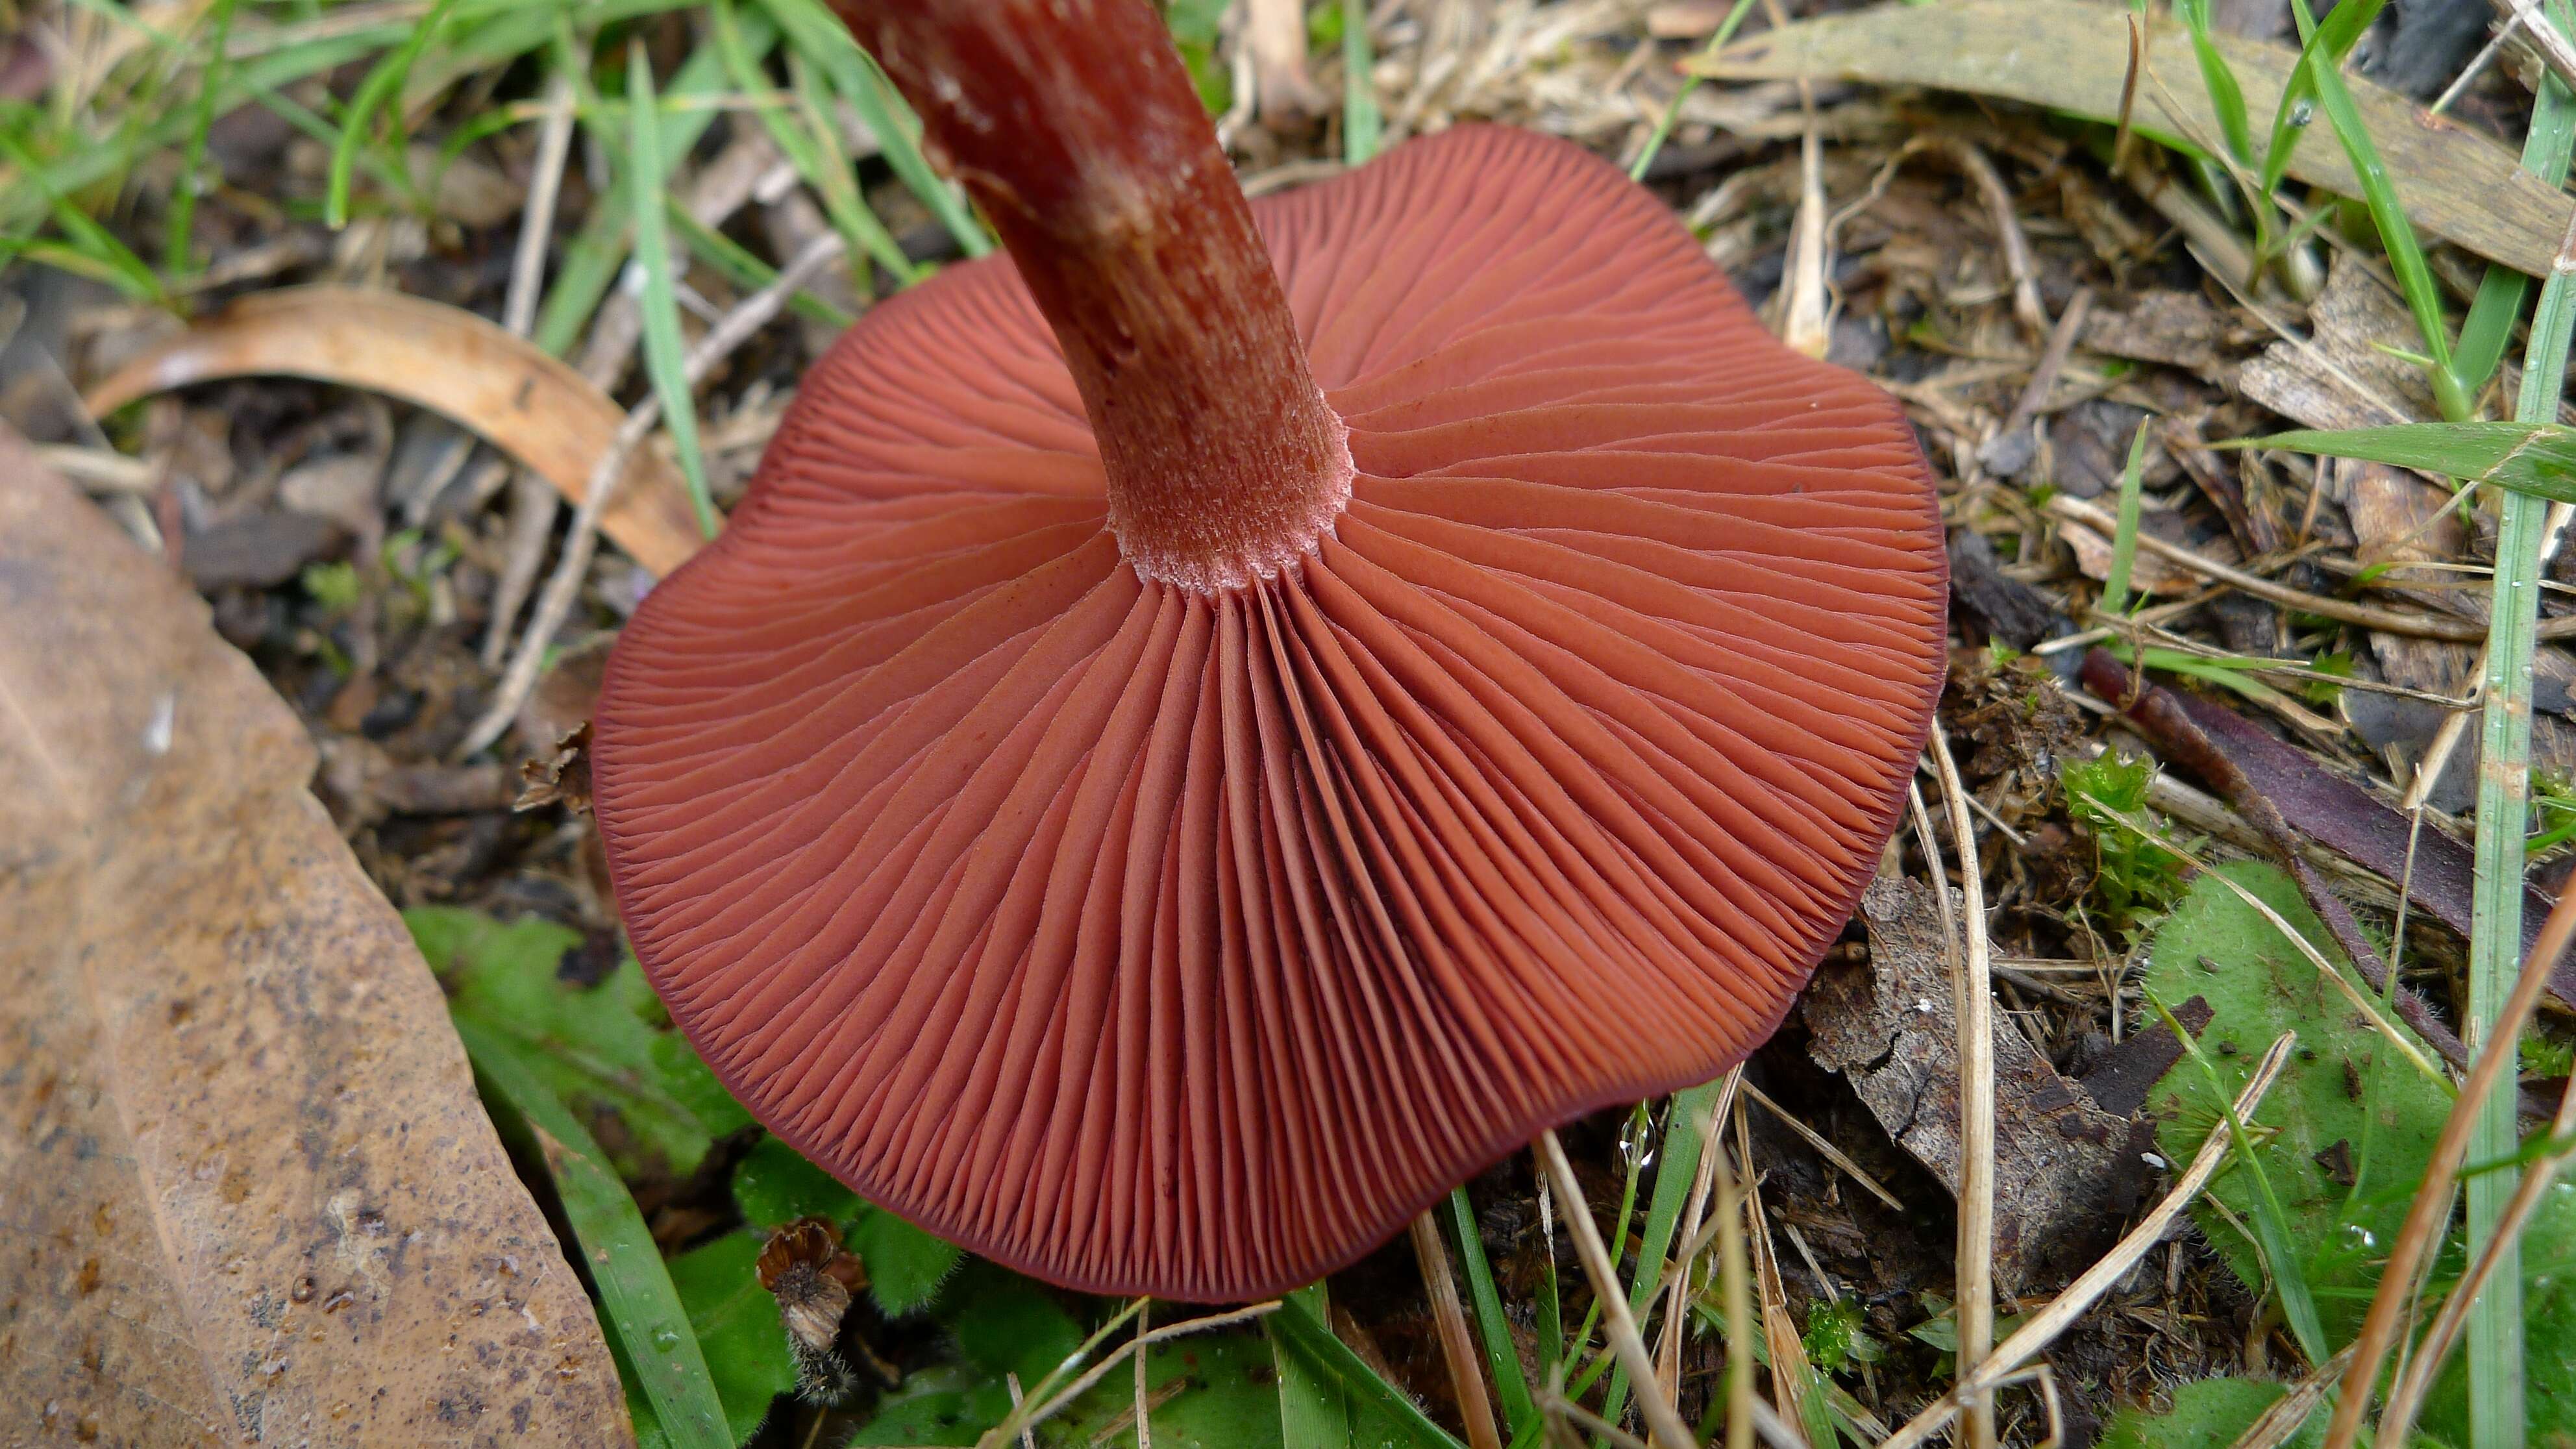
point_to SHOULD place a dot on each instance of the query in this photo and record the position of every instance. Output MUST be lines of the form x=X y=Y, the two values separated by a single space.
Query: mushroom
x=1213 y=727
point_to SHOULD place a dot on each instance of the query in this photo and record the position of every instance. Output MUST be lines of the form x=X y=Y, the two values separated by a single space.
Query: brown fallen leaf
x=2064 y=1168
x=251 y=1196
x=2074 y=56
x=530 y=405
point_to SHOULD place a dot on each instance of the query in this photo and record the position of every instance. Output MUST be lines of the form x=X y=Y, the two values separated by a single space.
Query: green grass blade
x=175 y=255
x=2396 y=233
x=2534 y=459
x=814 y=148
x=1307 y=1336
x=595 y=255
x=2124 y=537
x=381 y=85
x=1314 y=1410
x=2226 y=97
x=2327 y=45
x=665 y=354
x=816 y=34
x=1501 y=1355
x=1693 y=1119
x=828 y=167
x=1360 y=124
x=2495 y=1329
x=635 y=1291
x=1673 y=108
x=111 y=261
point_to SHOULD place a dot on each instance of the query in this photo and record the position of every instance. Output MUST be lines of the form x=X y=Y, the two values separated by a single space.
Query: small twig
x=2477 y=65
x=2052 y=362
x=1466 y=1376
x=1999 y=206
x=733 y=330
x=2431 y=1209
x=1621 y=1325
x=2043 y=1327
x=1824 y=1149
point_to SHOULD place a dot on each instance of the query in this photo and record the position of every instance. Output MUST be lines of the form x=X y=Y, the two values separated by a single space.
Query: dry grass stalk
x=1677 y=1277
x=1664 y=1424
x=731 y=331
x=1466 y=1376
x=2430 y=1215
x=1791 y=1377
x=1828 y=1151
x=2042 y=1329
x=1973 y=988
x=2290 y=1411
x=1021 y=1421
x=1735 y=1299
x=532 y=499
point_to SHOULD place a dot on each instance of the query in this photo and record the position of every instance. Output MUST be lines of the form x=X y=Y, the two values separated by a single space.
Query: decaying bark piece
x=251 y=1197
x=2063 y=1166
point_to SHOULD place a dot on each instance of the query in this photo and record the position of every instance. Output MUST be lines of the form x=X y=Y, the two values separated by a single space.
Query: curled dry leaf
x=250 y=1192
x=520 y=399
x=2456 y=184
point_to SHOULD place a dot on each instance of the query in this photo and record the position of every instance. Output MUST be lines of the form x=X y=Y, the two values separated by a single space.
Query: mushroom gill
x=1167 y=909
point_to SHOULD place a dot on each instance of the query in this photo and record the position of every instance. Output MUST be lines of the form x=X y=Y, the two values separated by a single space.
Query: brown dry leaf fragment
x=2061 y=54
x=562 y=778
x=2064 y=1167
x=2178 y=329
x=251 y=1195
x=528 y=404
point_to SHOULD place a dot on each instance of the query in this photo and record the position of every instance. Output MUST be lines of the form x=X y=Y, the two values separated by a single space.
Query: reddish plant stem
x=1074 y=126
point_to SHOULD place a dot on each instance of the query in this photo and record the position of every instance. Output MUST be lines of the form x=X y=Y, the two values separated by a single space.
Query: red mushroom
x=1209 y=730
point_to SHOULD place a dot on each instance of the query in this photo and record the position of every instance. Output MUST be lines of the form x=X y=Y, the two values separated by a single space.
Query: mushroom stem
x=1074 y=126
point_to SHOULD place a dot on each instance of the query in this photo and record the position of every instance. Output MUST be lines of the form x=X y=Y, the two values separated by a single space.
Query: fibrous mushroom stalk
x=1074 y=125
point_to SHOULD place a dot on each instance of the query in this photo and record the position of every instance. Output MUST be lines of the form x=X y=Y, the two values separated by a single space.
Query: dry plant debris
x=2064 y=1167
x=251 y=1199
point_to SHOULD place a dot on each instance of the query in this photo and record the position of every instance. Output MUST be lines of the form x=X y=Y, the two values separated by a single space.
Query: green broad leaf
x=950 y=1404
x=2352 y=1124
x=775 y=1185
x=906 y=1266
x=2351 y=1128
x=1007 y=1324
x=738 y=1329
x=2212 y=1411
x=602 y=1049
x=1206 y=1391
x=2534 y=458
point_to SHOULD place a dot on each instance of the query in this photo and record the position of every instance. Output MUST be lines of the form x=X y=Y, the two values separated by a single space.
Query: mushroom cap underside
x=1159 y=941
